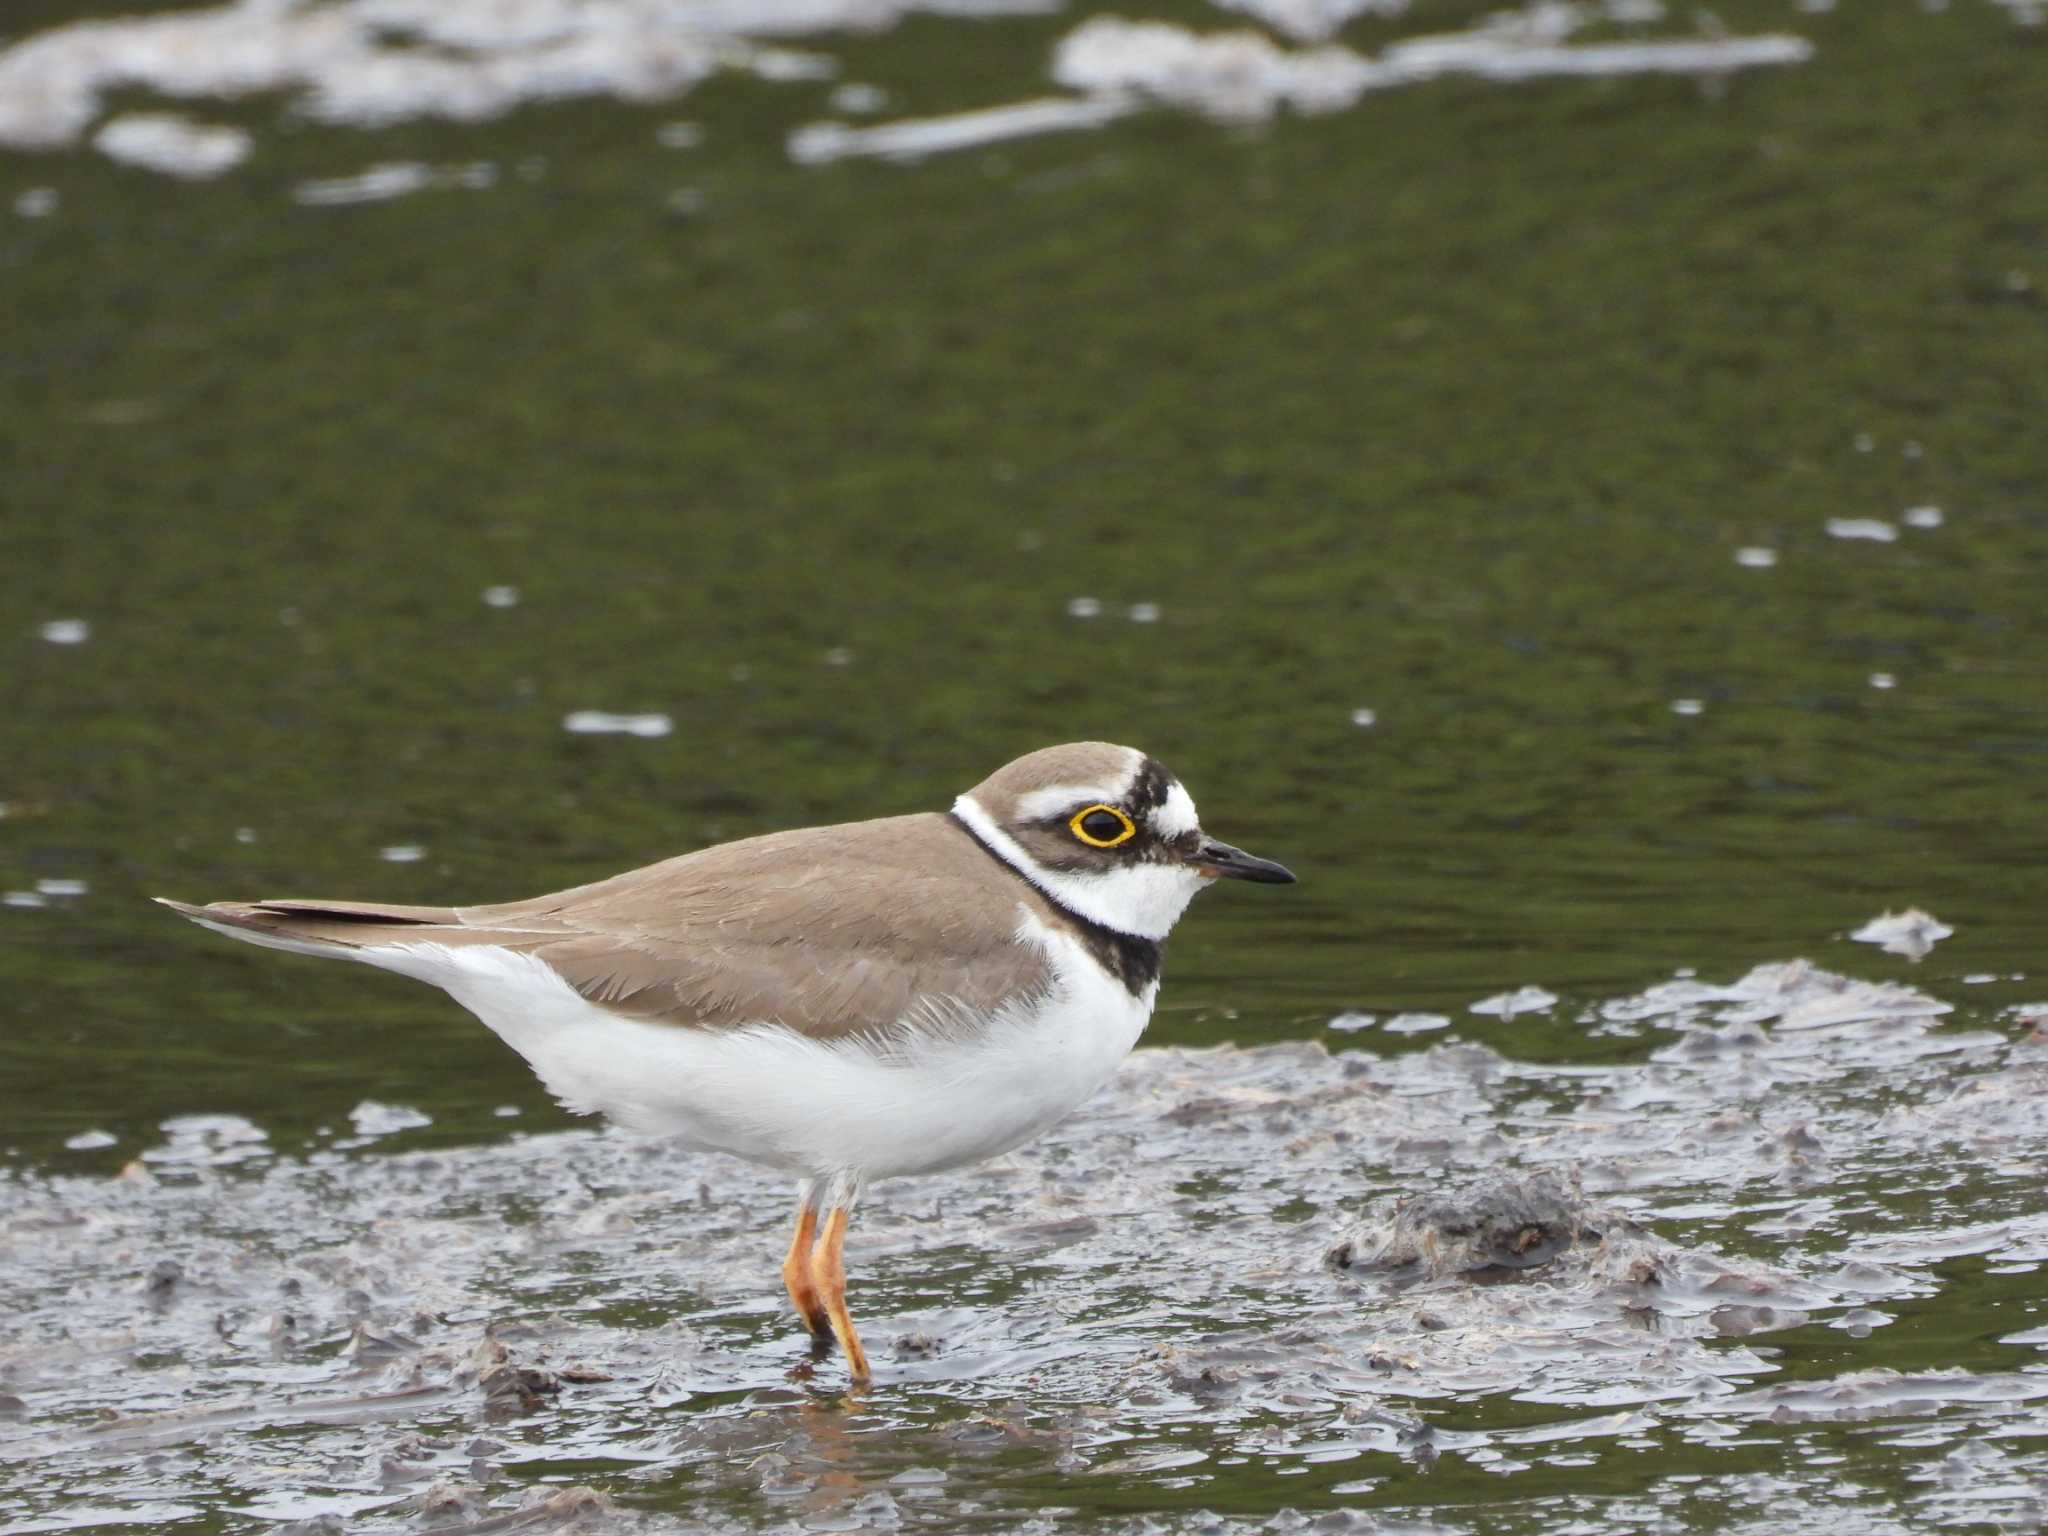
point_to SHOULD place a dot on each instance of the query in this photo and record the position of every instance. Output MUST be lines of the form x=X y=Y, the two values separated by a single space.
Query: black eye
x=1102 y=826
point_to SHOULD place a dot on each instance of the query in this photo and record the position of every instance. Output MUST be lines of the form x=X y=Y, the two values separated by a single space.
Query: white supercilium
x=1045 y=804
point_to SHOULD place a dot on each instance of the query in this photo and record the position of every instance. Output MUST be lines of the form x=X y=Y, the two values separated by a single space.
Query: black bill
x=1214 y=858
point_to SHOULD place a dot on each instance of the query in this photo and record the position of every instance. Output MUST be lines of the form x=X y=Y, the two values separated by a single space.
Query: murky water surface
x=1568 y=481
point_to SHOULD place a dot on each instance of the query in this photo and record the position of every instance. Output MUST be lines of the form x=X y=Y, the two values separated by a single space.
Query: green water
x=1455 y=407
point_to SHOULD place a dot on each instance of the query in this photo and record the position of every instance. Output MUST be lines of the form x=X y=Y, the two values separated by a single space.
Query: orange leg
x=796 y=1272
x=828 y=1273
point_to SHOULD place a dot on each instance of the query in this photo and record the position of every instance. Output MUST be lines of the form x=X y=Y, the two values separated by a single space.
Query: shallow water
x=1591 y=528
x=1744 y=1287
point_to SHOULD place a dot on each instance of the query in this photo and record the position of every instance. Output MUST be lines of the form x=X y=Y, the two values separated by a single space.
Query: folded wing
x=829 y=930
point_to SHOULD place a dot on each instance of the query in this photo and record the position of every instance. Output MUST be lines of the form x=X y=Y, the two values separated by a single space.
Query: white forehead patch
x=1043 y=804
x=1176 y=814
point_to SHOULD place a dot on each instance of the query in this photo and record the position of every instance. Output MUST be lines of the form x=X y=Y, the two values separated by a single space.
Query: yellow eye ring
x=1130 y=828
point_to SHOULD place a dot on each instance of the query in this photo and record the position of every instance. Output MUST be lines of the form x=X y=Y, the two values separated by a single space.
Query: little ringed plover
x=844 y=1003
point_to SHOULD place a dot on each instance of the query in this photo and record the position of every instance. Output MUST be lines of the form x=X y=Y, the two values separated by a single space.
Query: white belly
x=925 y=1099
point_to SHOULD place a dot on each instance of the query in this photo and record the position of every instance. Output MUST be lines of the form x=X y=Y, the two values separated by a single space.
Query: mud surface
x=1783 y=1265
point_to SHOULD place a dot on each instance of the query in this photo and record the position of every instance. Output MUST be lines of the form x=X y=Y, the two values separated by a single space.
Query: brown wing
x=828 y=930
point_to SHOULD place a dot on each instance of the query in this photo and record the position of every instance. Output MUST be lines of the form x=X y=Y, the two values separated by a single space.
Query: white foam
x=859 y=99
x=380 y=183
x=1244 y=76
x=209 y=1140
x=1424 y=1023
x=371 y=1118
x=1521 y=1000
x=373 y=63
x=1874 y=529
x=1478 y=56
x=176 y=146
x=916 y=138
x=1232 y=76
x=377 y=63
x=1911 y=933
x=596 y=722
x=1312 y=21
x=398 y=178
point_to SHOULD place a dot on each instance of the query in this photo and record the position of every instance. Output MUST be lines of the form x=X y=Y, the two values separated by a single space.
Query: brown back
x=828 y=930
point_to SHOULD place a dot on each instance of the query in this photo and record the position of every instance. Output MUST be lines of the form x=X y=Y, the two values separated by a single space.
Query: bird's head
x=1107 y=833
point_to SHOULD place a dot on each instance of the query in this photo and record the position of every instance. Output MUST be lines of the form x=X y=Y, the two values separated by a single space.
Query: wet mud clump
x=1495 y=1226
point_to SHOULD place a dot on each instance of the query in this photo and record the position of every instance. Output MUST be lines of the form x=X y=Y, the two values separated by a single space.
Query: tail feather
x=325 y=927
x=352 y=912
